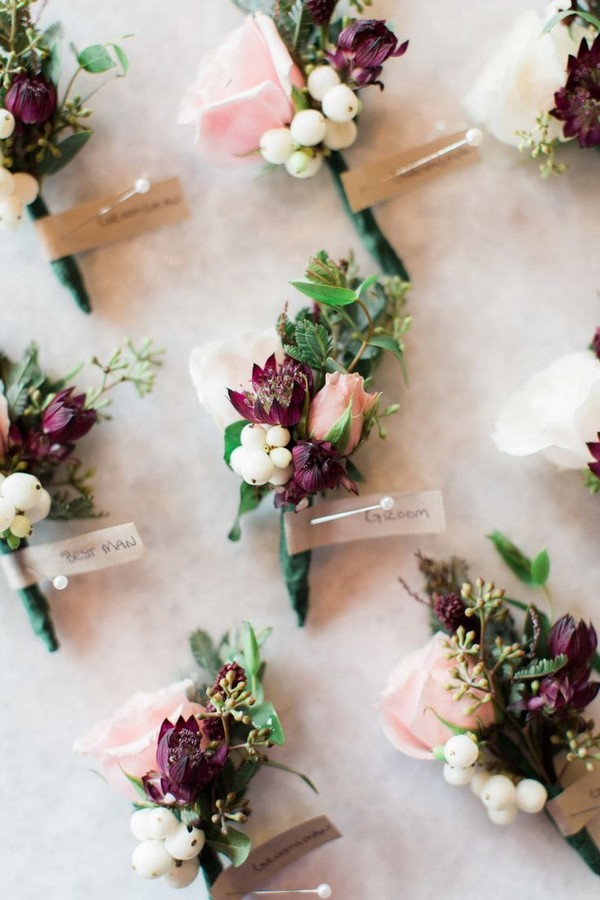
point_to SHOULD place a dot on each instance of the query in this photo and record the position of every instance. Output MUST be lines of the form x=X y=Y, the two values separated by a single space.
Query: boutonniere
x=42 y=420
x=557 y=414
x=294 y=74
x=186 y=756
x=297 y=402
x=41 y=131
x=540 y=90
x=500 y=696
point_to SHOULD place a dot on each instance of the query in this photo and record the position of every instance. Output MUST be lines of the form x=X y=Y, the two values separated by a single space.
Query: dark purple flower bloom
x=570 y=686
x=596 y=343
x=594 y=448
x=578 y=102
x=184 y=769
x=361 y=50
x=562 y=689
x=66 y=419
x=320 y=10
x=318 y=466
x=450 y=610
x=31 y=99
x=577 y=642
x=34 y=446
x=278 y=393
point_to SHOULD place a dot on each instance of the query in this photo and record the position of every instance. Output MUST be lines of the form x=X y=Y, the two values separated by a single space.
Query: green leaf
x=328 y=294
x=339 y=433
x=68 y=149
x=234 y=845
x=387 y=342
x=243 y=775
x=277 y=765
x=204 y=651
x=299 y=99
x=314 y=343
x=333 y=366
x=19 y=378
x=542 y=667
x=587 y=17
x=540 y=568
x=233 y=439
x=137 y=784
x=516 y=561
x=122 y=57
x=455 y=729
x=366 y=284
x=251 y=651
x=591 y=481
x=250 y=497
x=264 y=716
x=295 y=568
x=252 y=6
x=96 y=59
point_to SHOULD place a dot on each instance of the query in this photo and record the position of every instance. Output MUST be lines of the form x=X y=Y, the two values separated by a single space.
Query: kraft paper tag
x=376 y=182
x=81 y=228
x=577 y=805
x=84 y=553
x=273 y=856
x=421 y=512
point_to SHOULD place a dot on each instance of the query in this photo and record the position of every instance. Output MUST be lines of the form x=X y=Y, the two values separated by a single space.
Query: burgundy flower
x=239 y=676
x=578 y=102
x=184 y=769
x=320 y=10
x=277 y=395
x=577 y=642
x=450 y=610
x=594 y=448
x=319 y=467
x=34 y=446
x=361 y=50
x=570 y=686
x=595 y=346
x=66 y=419
x=31 y=99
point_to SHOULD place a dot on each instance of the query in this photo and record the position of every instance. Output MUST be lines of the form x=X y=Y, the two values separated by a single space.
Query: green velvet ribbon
x=211 y=866
x=295 y=568
x=37 y=608
x=582 y=842
x=369 y=232
x=66 y=269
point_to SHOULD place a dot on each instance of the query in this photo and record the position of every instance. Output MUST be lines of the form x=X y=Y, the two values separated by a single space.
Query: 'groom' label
x=420 y=512
x=273 y=856
x=578 y=806
x=85 y=553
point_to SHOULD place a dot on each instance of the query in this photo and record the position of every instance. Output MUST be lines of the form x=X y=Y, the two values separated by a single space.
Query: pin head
x=142 y=185
x=60 y=582
x=474 y=137
x=323 y=891
x=387 y=503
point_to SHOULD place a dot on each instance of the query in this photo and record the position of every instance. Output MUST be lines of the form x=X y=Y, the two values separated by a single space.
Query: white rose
x=219 y=365
x=556 y=413
x=519 y=82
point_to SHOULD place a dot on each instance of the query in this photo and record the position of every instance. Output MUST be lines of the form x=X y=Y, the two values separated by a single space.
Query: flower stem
x=369 y=232
x=37 y=608
x=66 y=269
x=365 y=340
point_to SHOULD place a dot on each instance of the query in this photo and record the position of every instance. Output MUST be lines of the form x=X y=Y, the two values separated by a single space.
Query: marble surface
x=505 y=272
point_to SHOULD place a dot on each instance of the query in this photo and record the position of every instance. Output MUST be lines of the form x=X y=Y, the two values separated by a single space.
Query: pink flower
x=416 y=688
x=244 y=88
x=331 y=403
x=127 y=741
x=4 y=424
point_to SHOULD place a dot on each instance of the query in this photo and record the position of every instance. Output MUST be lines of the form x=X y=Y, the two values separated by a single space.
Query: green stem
x=582 y=842
x=66 y=269
x=369 y=232
x=211 y=865
x=37 y=608
x=295 y=568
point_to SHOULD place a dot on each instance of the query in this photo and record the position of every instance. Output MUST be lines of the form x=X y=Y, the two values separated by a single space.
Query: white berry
x=185 y=842
x=21 y=527
x=22 y=490
x=41 y=510
x=498 y=793
x=11 y=209
x=7 y=184
x=151 y=859
x=184 y=873
x=280 y=457
x=340 y=103
x=7 y=514
x=461 y=751
x=7 y=124
x=458 y=775
x=531 y=795
x=503 y=816
x=137 y=824
x=257 y=468
x=159 y=823
x=278 y=436
x=236 y=459
x=276 y=145
x=281 y=476
x=253 y=437
x=321 y=80
x=301 y=165
x=478 y=780
x=308 y=127
x=340 y=135
x=26 y=187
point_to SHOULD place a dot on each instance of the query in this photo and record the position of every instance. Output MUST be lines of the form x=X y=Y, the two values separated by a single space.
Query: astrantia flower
x=66 y=419
x=277 y=395
x=319 y=467
x=320 y=10
x=594 y=448
x=361 y=50
x=31 y=99
x=578 y=102
x=184 y=769
x=577 y=642
x=570 y=686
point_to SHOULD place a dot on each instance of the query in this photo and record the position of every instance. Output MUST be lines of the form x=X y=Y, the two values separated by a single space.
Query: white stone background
x=505 y=272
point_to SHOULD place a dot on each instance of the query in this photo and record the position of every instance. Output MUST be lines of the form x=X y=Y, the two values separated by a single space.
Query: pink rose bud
x=331 y=403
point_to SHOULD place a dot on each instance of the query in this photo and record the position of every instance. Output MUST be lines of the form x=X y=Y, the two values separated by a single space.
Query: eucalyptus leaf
x=516 y=561
x=68 y=149
x=122 y=57
x=235 y=845
x=251 y=651
x=96 y=59
x=387 y=342
x=264 y=716
x=250 y=497
x=329 y=294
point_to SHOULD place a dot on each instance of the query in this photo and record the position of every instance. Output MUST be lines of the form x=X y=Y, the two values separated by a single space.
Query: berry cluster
x=263 y=456
x=23 y=502
x=17 y=189
x=169 y=848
